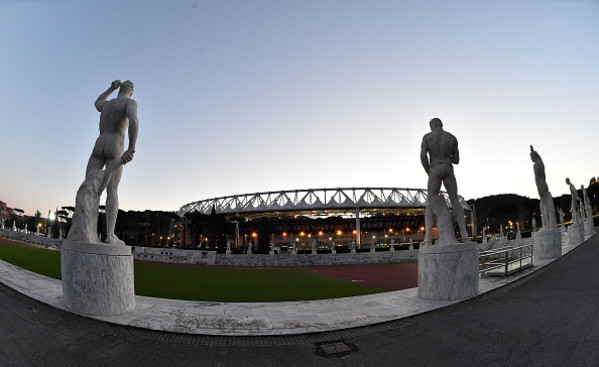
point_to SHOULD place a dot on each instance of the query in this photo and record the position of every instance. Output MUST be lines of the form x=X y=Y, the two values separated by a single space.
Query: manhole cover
x=333 y=348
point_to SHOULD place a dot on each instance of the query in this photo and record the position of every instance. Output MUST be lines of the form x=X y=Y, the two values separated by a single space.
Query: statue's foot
x=465 y=237
x=426 y=242
x=114 y=240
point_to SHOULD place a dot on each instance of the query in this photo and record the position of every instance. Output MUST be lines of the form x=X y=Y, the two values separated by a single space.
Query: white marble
x=546 y=205
x=576 y=233
x=448 y=272
x=589 y=227
x=97 y=279
x=438 y=153
x=576 y=202
x=547 y=244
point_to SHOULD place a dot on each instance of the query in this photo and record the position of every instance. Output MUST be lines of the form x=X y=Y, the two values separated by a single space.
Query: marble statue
x=439 y=151
x=442 y=219
x=117 y=116
x=575 y=209
x=228 y=246
x=249 y=247
x=534 y=224
x=587 y=203
x=548 y=220
x=561 y=216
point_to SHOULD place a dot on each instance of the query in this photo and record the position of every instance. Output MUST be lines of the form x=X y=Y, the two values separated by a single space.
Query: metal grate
x=331 y=348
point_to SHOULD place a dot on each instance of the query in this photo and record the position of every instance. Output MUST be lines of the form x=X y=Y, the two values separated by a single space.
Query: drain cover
x=332 y=348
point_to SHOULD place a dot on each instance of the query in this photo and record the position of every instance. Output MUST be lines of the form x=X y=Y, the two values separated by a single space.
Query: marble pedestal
x=547 y=244
x=448 y=272
x=576 y=234
x=97 y=279
x=589 y=228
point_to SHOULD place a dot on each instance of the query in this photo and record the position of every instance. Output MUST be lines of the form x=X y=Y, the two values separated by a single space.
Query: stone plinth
x=589 y=228
x=97 y=279
x=448 y=272
x=547 y=244
x=576 y=234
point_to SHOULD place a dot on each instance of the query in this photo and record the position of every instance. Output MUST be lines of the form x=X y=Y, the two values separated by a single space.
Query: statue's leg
x=452 y=189
x=434 y=186
x=112 y=202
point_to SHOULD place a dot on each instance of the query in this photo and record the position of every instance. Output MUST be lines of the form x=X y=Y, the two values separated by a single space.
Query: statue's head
x=582 y=187
x=126 y=87
x=436 y=124
x=534 y=155
x=568 y=180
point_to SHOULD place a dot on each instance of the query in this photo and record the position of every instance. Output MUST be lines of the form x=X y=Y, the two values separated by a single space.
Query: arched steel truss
x=316 y=200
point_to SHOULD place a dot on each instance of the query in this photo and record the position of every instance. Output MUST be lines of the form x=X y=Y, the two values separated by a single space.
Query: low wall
x=318 y=259
x=264 y=260
x=30 y=238
x=176 y=256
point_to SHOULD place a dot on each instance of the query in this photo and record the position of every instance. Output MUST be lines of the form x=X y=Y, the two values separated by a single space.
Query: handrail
x=505 y=258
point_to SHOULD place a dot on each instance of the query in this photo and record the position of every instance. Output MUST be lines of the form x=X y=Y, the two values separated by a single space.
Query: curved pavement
x=549 y=318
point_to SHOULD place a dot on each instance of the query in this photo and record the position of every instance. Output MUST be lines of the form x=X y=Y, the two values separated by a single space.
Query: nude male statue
x=438 y=153
x=116 y=115
x=546 y=201
x=575 y=209
x=587 y=203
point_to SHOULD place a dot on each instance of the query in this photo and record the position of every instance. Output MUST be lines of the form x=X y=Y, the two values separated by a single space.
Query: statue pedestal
x=589 y=228
x=547 y=244
x=448 y=272
x=576 y=234
x=97 y=279
x=228 y=252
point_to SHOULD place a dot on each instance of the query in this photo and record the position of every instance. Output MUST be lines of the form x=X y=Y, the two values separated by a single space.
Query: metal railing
x=505 y=260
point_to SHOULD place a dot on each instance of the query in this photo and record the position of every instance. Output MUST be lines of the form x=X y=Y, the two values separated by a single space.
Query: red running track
x=385 y=276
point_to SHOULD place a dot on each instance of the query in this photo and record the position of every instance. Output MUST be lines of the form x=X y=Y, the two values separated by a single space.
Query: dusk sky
x=245 y=96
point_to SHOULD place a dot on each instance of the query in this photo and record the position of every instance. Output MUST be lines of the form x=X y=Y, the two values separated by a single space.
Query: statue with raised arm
x=548 y=220
x=575 y=209
x=438 y=153
x=117 y=116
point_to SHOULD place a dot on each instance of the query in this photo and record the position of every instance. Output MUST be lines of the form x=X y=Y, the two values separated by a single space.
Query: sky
x=247 y=96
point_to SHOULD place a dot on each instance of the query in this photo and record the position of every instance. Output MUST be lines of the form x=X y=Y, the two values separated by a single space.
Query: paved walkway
x=549 y=318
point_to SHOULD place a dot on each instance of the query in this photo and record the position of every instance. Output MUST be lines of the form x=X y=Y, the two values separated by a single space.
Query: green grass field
x=217 y=284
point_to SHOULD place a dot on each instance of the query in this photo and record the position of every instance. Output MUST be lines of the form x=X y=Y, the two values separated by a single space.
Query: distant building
x=4 y=211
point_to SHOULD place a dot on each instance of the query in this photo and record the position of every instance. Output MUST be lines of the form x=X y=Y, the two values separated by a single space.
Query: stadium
x=326 y=217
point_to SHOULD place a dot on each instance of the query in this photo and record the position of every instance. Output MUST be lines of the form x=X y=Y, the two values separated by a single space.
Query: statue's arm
x=455 y=156
x=133 y=126
x=424 y=154
x=101 y=100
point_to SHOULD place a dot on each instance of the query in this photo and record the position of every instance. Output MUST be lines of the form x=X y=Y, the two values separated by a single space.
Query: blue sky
x=244 y=96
